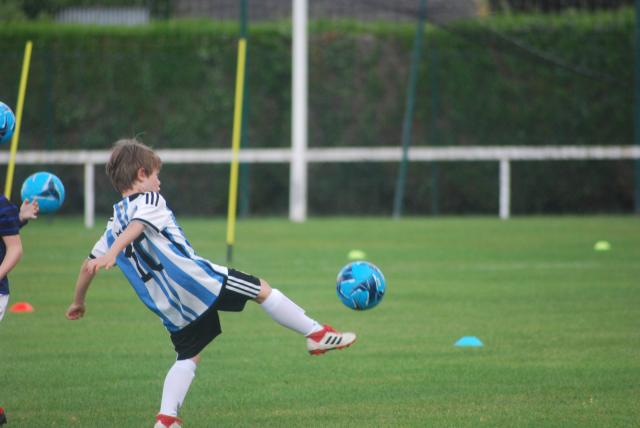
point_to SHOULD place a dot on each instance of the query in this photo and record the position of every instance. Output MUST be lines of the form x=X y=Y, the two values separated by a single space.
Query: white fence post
x=298 y=166
x=505 y=189
x=89 y=194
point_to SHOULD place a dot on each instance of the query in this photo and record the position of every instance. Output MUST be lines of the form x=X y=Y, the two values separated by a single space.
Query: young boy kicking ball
x=186 y=291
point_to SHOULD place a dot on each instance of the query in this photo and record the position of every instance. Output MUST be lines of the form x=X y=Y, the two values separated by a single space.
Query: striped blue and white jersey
x=162 y=267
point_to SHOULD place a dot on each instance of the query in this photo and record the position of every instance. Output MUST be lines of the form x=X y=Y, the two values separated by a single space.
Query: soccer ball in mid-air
x=7 y=123
x=360 y=285
x=46 y=188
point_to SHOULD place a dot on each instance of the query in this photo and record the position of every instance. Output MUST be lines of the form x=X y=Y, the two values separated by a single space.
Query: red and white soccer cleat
x=164 y=421
x=328 y=339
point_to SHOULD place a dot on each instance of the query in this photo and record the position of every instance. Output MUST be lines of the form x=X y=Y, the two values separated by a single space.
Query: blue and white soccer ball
x=46 y=188
x=360 y=285
x=7 y=123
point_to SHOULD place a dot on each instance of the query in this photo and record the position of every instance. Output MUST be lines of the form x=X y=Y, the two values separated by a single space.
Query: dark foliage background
x=533 y=79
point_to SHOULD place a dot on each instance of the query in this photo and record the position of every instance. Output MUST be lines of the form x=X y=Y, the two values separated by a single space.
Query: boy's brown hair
x=127 y=157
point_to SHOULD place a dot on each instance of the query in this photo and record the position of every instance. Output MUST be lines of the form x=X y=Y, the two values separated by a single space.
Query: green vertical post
x=408 y=114
x=435 y=109
x=49 y=103
x=244 y=197
x=636 y=137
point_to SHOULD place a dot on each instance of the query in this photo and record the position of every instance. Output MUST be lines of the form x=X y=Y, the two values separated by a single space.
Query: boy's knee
x=192 y=360
x=265 y=290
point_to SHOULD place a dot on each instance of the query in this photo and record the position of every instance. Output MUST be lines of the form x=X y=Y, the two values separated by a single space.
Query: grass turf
x=559 y=322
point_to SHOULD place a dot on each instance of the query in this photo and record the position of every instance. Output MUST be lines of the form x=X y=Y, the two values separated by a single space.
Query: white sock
x=288 y=314
x=176 y=385
x=4 y=301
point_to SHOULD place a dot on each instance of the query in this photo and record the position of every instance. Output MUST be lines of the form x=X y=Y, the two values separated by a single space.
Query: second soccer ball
x=46 y=188
x=360 y=285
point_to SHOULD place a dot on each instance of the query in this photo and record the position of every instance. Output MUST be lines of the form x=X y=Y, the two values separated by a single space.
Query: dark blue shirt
x=9 y=225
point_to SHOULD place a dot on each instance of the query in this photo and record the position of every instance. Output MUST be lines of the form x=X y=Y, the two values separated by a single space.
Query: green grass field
x=560 y=323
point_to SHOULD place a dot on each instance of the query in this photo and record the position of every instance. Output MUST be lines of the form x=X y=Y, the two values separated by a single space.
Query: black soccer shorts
x=237 y=289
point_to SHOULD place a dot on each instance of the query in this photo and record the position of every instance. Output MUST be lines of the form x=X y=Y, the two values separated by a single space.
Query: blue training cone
x=469 y=341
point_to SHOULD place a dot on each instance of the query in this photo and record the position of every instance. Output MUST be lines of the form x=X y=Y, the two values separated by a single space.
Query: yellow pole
x=16 y=134
x=235 y=148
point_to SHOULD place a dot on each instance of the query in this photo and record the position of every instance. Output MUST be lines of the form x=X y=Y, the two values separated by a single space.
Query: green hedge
x=530 y=80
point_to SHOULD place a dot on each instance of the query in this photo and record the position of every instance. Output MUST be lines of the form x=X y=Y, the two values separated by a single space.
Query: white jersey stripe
x=177 y=274
x=170 y=308
x=171 y=297
x=171 y=294
x=118 y=214
x=125 y=210
x=183 y=295
x=187 y=296
x=212 y=271
x=183 y=249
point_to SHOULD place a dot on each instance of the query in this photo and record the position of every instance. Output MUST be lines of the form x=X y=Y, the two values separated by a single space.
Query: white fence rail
x=502 y=154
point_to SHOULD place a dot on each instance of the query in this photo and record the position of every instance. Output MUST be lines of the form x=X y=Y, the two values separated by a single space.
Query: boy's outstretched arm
x=90 y=268
x=77 y=309
x=133 y=230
